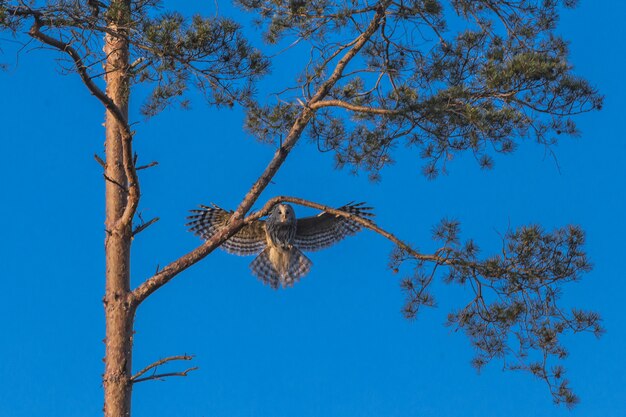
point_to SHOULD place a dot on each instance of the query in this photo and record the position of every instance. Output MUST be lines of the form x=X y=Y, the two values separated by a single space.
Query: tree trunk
x=119 y=312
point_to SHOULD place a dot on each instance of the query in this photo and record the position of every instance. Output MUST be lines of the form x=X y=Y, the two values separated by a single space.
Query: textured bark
x=119 y=313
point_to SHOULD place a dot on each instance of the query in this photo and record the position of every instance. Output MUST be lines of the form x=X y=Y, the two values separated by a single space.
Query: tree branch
x=144 y=226
x=163 y=276
x=122 y=186
x=100 y=160
x=36 y=33
x=161 y=376
x=134 y=192
x=127 y=135
x=306 y=115
x=50 y=19
x=366 y=223
x=137 y=377
x=355 y=108
x=150 y=165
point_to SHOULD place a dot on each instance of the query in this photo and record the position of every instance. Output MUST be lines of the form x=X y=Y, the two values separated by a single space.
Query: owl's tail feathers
x=299 y=266
x=263 y=268
x=282 y=269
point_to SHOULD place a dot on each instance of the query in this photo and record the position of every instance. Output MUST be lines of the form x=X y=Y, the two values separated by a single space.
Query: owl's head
x=283 y=213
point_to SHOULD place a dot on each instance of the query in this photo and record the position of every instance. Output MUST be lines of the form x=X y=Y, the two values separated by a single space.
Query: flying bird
x=279 y=240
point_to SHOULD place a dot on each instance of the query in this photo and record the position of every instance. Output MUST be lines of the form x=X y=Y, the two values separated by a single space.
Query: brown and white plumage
x=208 y=220
x=280 y=239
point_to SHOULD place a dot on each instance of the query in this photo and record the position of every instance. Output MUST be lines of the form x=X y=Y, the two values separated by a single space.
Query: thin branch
x=144 y=226
x=160 y=362
x=106 y=177
x=127 y=135
x=80 y=67
x=100 y=160
x=356 y=108
x=150 y=165
x=136 y=378
x=160 y=377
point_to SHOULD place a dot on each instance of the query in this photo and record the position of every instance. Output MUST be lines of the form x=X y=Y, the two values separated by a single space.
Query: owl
x=279 y=240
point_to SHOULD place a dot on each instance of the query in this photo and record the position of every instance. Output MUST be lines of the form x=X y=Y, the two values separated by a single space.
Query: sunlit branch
x=355 y=108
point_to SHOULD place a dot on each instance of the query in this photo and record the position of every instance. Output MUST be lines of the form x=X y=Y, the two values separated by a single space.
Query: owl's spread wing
x=207 y=221
x=325 y=229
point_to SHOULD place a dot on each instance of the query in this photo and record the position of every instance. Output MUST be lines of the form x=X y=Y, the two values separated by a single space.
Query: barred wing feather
x=208 y=220
x=324 y=230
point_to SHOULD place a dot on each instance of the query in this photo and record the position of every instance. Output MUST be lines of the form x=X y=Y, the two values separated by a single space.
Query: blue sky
x=336 y=343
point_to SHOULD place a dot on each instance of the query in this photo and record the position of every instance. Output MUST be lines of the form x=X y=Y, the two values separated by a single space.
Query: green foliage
x=265 y=121
x=300 y=18
x=169 y=51
x=502 y=78
x=418 y=81
x=209 y=53
x=514 y=314
x=8 y=22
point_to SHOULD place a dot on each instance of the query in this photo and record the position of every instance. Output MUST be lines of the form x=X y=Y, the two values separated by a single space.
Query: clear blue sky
x=335 y=344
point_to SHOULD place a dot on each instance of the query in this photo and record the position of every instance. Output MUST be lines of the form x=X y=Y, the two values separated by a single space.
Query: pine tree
x=439 y=77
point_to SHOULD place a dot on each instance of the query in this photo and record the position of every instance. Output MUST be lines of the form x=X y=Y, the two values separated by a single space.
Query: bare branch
x=354 y=107
x=153 y=366
x=162 y=362
x=100 y=160
x=144 y=226
x=150 y=165
x=106 y=177
x=81 y=68
x=127 y=135
x=160 y=377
